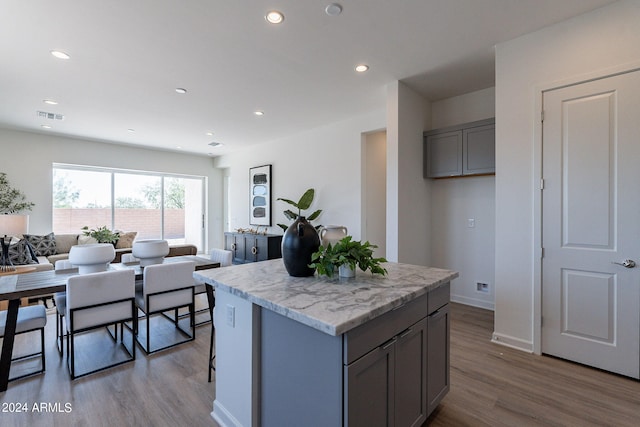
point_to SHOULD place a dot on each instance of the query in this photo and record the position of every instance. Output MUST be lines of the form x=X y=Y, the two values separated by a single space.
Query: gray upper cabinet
x=467 y=149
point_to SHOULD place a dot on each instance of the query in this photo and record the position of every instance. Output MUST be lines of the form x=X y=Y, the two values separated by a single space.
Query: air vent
x=50 y=116
x=215 y=144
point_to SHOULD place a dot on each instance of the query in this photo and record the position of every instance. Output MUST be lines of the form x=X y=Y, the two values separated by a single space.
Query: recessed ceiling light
x=60 y=54
x=361 y=68
x=50 y=101
x=131 y=130
x=334 y=9
x=45 y=126
x=274 y=17
x=178 y=147
x=181 y=90
x=259 y=113
x=209 y=133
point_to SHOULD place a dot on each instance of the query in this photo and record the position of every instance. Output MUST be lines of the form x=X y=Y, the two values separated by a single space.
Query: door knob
x=628 y=263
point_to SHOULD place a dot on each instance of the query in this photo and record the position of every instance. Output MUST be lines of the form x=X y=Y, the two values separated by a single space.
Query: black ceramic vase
x=299 y=242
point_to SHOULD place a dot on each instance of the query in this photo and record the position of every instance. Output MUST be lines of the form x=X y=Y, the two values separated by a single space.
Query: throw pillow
x=19 y=253
x=126 y=240
x=64 y=242
x=43 y=245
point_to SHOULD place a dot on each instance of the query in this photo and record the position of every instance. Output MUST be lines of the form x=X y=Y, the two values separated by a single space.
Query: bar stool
x=225 y=258
x=30 y=318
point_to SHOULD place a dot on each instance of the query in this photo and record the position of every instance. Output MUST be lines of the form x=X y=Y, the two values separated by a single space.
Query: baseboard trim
x=512 y=342
x=224 y=417
x=473 y=302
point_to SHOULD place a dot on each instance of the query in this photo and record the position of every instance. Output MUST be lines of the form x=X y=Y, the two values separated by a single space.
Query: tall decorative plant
x=12 y=200
x=303 y=204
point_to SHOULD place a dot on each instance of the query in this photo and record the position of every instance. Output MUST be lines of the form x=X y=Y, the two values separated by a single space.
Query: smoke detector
x=50 y=116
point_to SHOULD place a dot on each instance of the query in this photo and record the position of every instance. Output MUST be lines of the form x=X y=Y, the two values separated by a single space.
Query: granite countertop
x=333 y=306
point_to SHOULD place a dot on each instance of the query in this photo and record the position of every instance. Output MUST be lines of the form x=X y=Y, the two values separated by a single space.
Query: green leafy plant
x=12 y=200
x=347 y=252
x=102 y=234
x=303 y=204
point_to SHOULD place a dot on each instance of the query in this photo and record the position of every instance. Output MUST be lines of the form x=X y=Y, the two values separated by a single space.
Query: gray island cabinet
x=314 y=351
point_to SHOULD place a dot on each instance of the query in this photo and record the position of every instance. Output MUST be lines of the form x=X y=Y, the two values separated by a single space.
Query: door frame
x=537 y=181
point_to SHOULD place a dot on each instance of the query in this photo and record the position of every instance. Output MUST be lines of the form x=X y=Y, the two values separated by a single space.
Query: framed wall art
x=260 y=195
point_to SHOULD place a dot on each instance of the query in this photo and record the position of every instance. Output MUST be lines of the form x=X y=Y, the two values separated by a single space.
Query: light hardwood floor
x=490 y=386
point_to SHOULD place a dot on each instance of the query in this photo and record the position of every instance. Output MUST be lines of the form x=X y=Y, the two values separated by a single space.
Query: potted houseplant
x=300 y=239
x=345 y=256
x=303 y=204
x=102 y=234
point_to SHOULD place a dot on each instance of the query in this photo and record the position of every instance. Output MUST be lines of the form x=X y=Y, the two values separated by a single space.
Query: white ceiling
x=128 y=56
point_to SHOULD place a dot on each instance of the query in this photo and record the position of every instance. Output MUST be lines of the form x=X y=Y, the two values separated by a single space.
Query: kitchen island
x=369 y=350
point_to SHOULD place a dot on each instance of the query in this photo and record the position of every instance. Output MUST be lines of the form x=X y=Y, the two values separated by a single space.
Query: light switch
x=471 y=222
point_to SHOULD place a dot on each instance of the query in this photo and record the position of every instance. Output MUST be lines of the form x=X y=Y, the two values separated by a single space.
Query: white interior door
x=591 y=217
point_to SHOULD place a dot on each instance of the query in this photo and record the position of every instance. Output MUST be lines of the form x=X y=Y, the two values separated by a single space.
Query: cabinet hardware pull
x=405 y=332
x=437 y=313
x=389 y=343
x=254 y=250
x=233 y=246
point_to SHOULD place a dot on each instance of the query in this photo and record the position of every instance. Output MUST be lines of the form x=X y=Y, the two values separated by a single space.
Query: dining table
x=38 y=283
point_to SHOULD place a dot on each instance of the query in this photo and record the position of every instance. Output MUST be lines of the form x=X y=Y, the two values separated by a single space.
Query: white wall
x=585 y=46
x=27 y=159
x=455 y=246
x=327 y=158
x=408 y=193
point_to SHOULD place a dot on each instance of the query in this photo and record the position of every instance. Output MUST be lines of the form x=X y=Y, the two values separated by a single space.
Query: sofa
x=43 y=251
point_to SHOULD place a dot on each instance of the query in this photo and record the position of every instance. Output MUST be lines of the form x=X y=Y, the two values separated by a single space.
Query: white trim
x=487 y=305
x=222 y=416
x=512 y=342
x=536 y=324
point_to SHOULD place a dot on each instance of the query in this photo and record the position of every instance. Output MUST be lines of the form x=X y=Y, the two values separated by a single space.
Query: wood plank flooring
x=490 y=386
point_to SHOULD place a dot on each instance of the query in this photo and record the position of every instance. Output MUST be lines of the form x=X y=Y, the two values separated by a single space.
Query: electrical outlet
x=471 y=222
x=482 y=287
x=231 y=316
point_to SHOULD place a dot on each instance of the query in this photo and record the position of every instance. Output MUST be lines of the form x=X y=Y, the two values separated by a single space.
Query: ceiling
x=129 y=56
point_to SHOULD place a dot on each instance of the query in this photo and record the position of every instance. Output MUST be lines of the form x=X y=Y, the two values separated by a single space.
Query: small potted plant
x=345 y=256
x=102 y=234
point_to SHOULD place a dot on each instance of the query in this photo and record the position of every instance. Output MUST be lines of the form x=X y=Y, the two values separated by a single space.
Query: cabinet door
x=411 y=376
x=479 y=150
x=437 y=357
x=369 y=388
x=260 y=249
x=443 y=154
x=230 y=244
x=239 y=251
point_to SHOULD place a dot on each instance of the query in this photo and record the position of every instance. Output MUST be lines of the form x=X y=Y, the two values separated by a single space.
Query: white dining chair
x=60 y=301
x=100 y=300
x=166 y=287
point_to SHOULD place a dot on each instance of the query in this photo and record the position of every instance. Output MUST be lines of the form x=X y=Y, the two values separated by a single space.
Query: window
x=156 y=206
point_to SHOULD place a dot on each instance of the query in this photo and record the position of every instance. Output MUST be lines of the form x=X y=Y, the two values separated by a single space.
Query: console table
x=249 y=247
